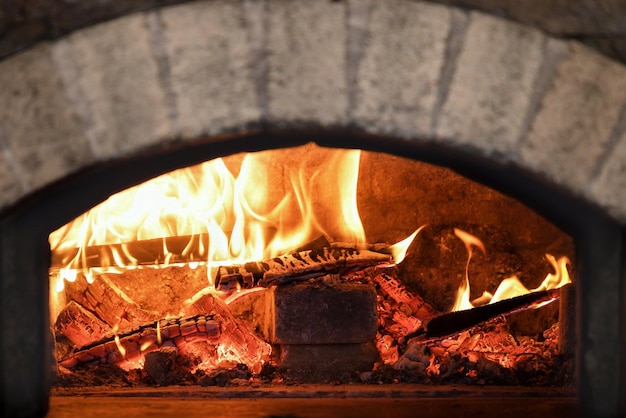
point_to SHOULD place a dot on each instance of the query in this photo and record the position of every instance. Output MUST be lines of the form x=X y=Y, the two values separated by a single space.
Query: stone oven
x=106 y=107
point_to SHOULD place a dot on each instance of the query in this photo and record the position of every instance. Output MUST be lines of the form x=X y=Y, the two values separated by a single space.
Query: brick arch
x=411 y=70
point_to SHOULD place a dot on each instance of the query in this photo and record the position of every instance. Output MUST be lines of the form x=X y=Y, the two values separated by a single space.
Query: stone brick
x=10 y=187
x=397 y=79
x=322 y=363
x=43 y=131
x=317 y=313
x=306 y=62
x=117 y=75
x=607 y=189
x=211 y=66
x=576 y=118
x=492 y=87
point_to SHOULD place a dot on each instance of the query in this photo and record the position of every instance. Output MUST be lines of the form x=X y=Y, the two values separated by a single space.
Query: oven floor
x=314 y=401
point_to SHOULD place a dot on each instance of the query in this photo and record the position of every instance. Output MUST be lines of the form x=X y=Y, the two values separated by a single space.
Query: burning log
x=390 y=286
x=297 y=266
x=240 y=343
x=167 y=250
x=79 y=325
x=205 y=320
x=131 y=346
x=453 y=322
x=109 y=303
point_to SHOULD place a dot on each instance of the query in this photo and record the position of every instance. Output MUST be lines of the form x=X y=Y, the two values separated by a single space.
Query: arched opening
x=26 y=227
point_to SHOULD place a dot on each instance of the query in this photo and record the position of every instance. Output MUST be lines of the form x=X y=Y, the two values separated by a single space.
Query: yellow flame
x=463 y=294
x=510 y=287
x=119 y=345
x=239 y=202
x=399 y=249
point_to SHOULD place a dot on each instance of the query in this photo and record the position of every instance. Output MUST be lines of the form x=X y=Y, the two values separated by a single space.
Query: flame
x=399 y=249
x=119 y=345
x=463 y=294
x=237 y=202
x=510 y=287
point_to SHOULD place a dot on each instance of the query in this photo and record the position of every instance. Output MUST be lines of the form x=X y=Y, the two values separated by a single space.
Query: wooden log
x=391 y=287
x=297 y=266
x=79 y=325
x=170 y=250
x=144 y=339
x=238 y=340
x=453 y=322
x=109 y=303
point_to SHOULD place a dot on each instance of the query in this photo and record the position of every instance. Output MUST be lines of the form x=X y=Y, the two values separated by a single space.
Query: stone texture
x=119 y=86
x=317 y=313
x=493 y=85
x=396 y=80
x=10 y=187
x=44 y=133
x=25 y=22
x=322 y=363
x=607 y=189
x=211 y=66
x=576 y=118
x=557 y=16
x=306 y=59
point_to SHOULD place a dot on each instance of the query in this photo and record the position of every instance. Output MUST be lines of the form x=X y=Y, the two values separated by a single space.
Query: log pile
x=205 y=329
x=101 y=325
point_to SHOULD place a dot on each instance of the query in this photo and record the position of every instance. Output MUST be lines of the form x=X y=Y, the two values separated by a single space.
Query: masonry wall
x=414 y=70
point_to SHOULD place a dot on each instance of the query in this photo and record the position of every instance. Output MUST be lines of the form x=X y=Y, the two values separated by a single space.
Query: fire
x=399 y=249
x=226 y=213
x=509 y=287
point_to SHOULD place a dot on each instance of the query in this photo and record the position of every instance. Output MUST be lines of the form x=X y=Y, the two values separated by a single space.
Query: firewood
x=390 y=286
x=169 y=250
x=239 y=341
x=109 y=303
x=146 y=338
x=297 y=266
x=79 y=325
x=453 y=322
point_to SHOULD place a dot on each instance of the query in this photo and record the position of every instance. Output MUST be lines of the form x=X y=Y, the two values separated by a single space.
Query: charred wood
x=131 y=346
x=391 y=287
x=109 y=303
x=167 y=250
x=297 y=266
x=453 y=322
x=79 y=325
x=241 y=341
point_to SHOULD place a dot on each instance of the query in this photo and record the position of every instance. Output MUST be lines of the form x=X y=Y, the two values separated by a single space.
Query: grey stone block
x=576 y=118
x=306 y=62
x=608 y=189
x=10 y=187
x=322 y=363
x=492 y=87
x=211 y=66
x=117 y=75
x=399 y=66
x=44 y=132
x=317 y=313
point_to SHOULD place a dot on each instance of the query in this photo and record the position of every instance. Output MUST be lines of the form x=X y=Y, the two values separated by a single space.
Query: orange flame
x=463 y=294
x=238 y=202
x=399 y=249
x=510 y=287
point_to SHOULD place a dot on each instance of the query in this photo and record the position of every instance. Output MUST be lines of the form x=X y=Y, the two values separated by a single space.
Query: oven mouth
x=42 y=212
